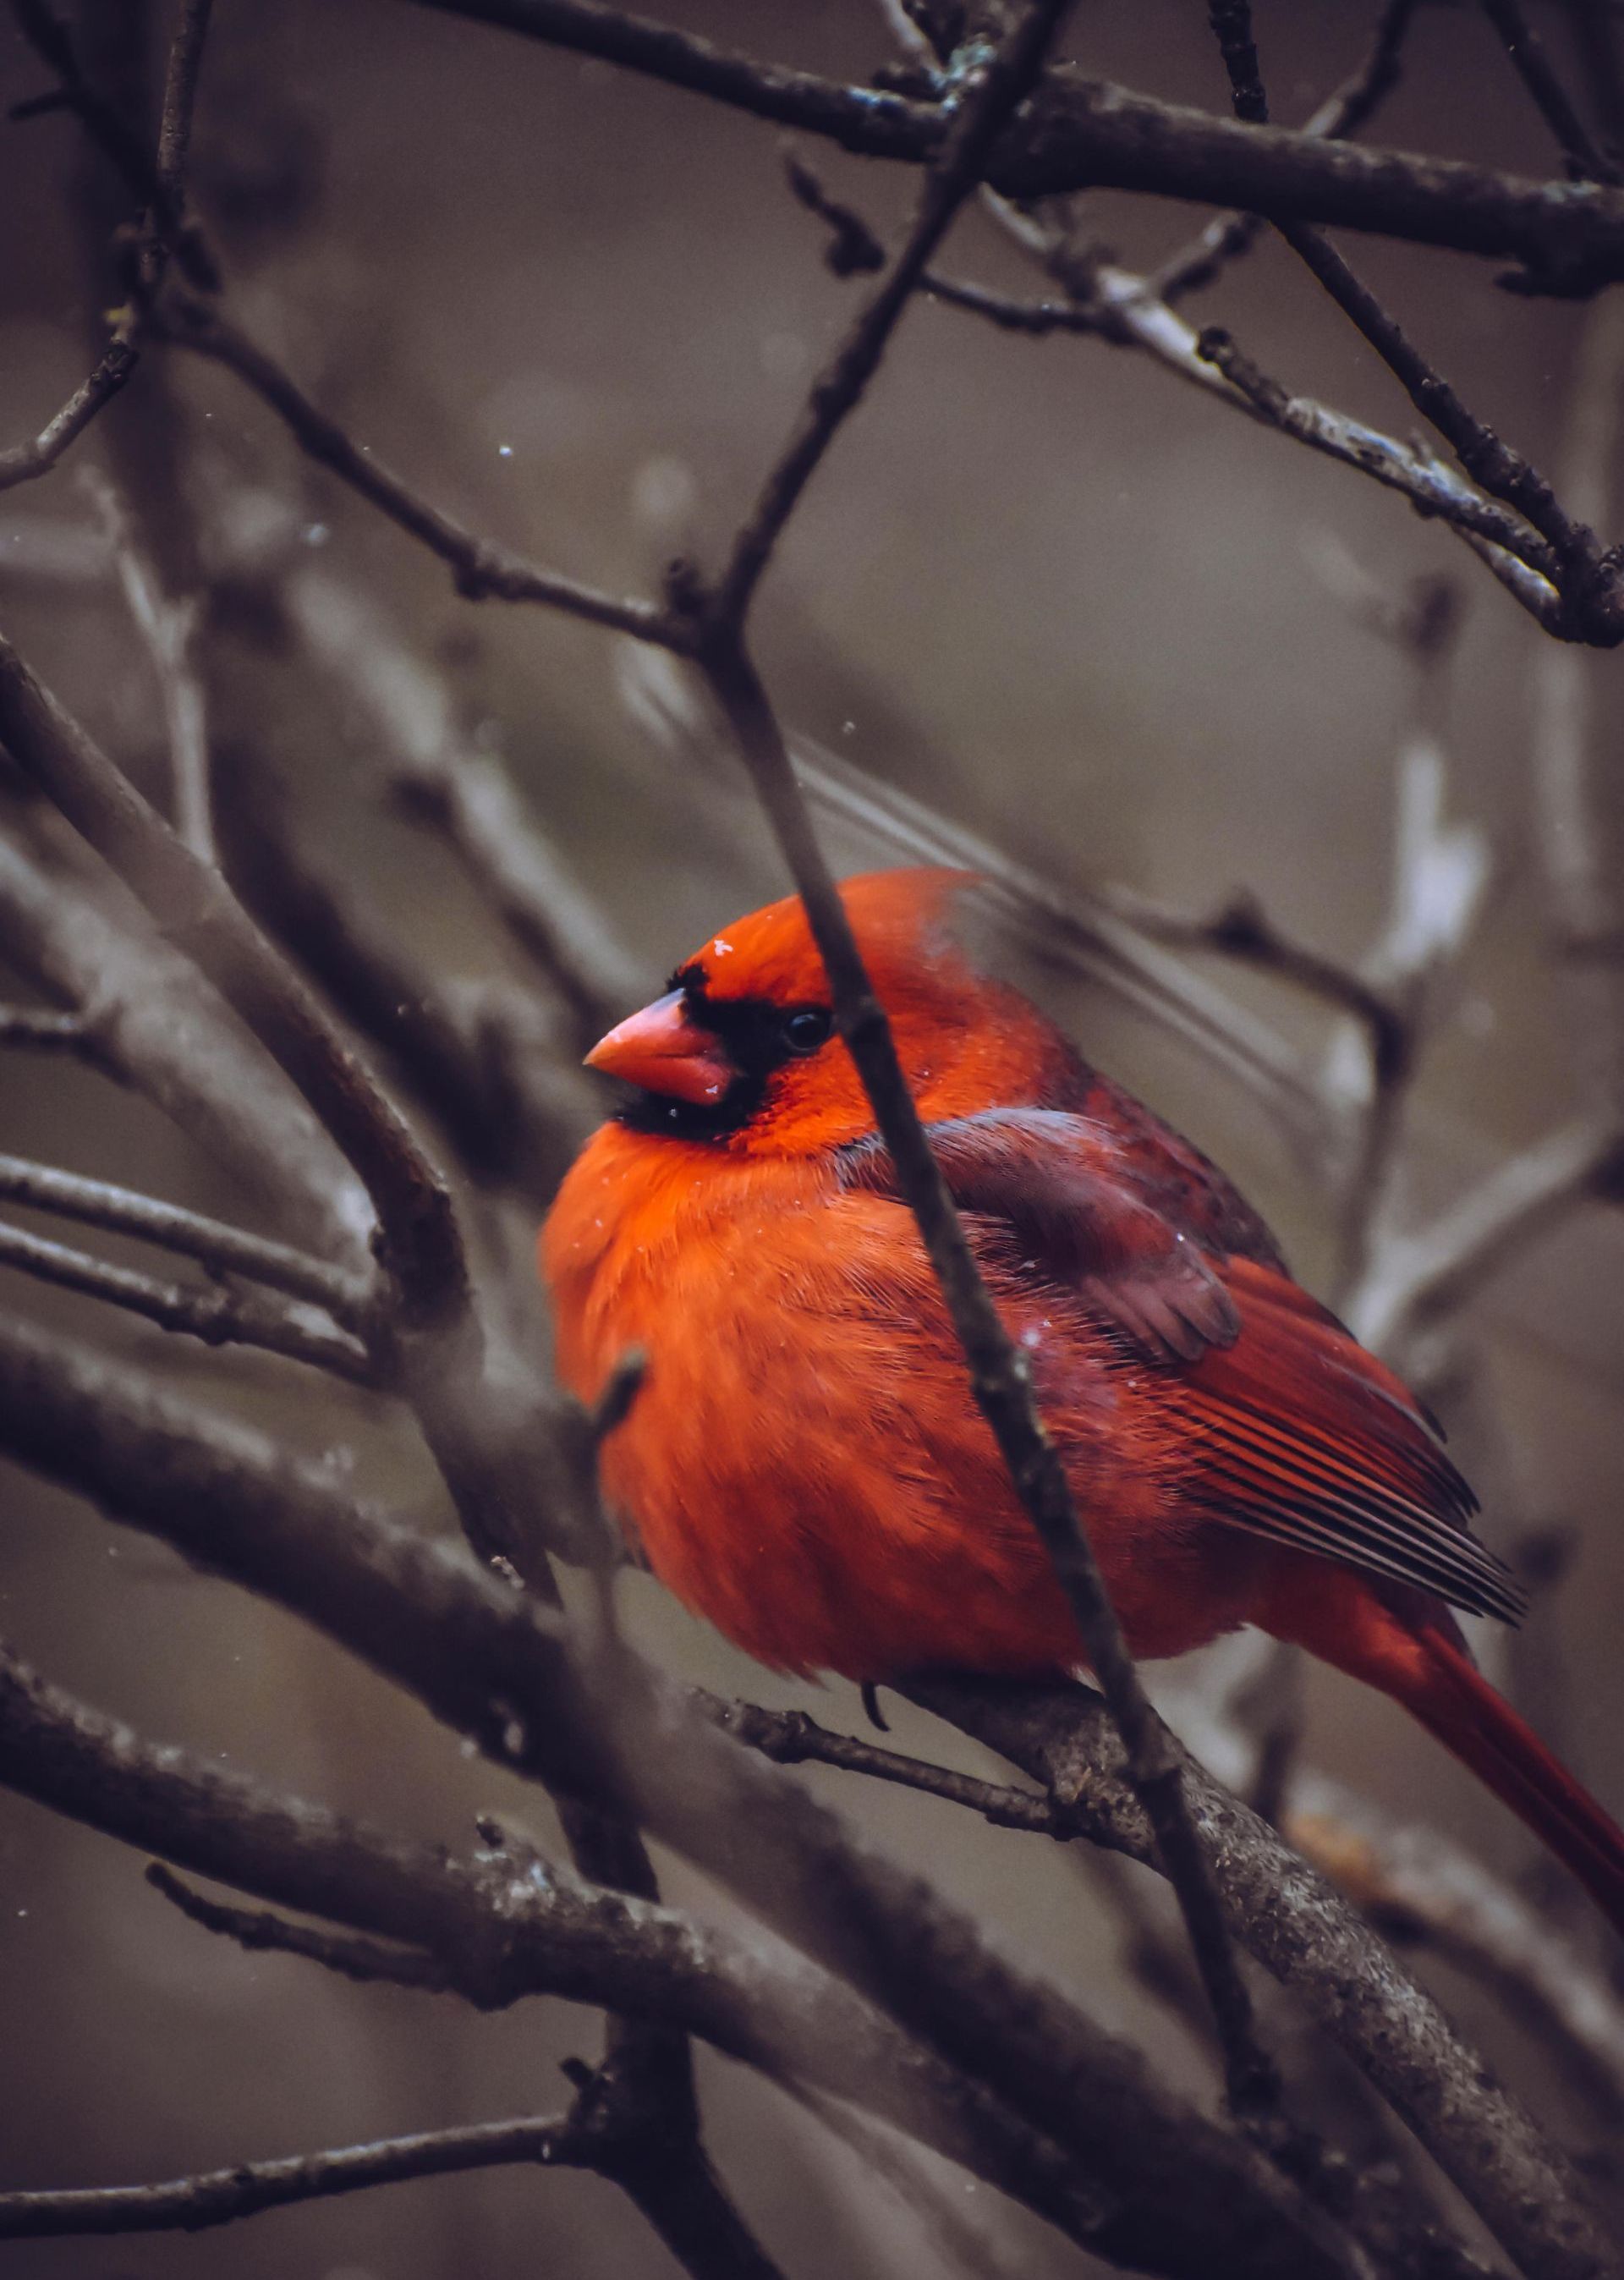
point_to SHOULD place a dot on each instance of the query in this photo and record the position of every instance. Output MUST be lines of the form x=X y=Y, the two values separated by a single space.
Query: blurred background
x=1040 y=584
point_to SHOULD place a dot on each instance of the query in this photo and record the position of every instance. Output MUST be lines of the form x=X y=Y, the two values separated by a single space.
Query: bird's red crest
x=901 y=920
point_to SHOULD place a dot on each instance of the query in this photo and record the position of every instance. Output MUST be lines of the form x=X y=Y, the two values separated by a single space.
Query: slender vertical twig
x=994 y=87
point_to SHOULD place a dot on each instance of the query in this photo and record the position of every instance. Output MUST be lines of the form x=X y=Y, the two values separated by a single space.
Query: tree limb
x=503 y=1932
x=1080 y=134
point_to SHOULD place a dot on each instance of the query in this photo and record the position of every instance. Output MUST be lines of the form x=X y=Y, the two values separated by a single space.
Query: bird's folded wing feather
x=1294 y=1431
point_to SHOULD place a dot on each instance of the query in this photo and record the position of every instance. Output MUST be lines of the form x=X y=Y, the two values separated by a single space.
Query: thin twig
x=22 y=462
x=992 y=92
x=1591 y=583
x=167 y=627
x=999 y=1379
x=479 y=569
x=793 y=1737
x=241 y=1318
x=351 y=1955
x=1242 y=929
x=1592 y=588
x=1403 y=467
x=1344 y=111
x=1527 y=52
x=223 y=2196
x=155 y=1024
x=36 y=1030
x=174 y=134
x=159 y=184
x=1121 y=309
x=223 y=1249
x=155 y=181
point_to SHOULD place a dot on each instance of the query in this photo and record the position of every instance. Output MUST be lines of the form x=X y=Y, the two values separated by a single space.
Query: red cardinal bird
x=806 y=1465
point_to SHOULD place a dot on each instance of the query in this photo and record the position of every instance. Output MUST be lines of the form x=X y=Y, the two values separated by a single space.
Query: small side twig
x=22 y=463
x=168 y=627
x=1244 y=930
x=224 y=2196
x=261 y=1931
x=1591 y=583
x=1587 y=161
x=1412 y=1276
x=479 y=567
x=35 y=1030
x=793 y=1737
x=218 y=1317
x=1344 y=111
x=223 y=1249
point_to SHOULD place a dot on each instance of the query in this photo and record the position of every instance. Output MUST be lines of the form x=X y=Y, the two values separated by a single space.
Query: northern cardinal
x=806 y=1465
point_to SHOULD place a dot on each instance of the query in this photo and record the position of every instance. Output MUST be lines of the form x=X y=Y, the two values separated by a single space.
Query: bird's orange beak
x=661 y=1050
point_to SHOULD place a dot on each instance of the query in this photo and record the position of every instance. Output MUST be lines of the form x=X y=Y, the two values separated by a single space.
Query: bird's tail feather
x=1405 y=1643
x=1453 y=1701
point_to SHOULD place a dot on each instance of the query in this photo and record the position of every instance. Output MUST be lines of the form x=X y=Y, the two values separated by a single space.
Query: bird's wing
x=1293 y=1431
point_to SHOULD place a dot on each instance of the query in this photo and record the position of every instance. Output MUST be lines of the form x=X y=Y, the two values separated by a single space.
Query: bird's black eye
x=806 y=1029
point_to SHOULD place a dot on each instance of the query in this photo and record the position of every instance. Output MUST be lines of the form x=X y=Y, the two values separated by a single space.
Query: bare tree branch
x=994 y=89
x=223 y=2196
x=478 y=1656
x=217 y=1317
x=22 y=463
x=1534 y=67
x=1420 y=1890
x=153 y=1022
x=645 y=2151
x=1329 y=1959
x=501 y=1935
x=197 y=912
x=792 y=1738
x=1083 y=133
x=481 y=568
x=34 y=1030
x=1590 y=581
x=159 y=183
x=349 y=1955
x=167 y=629
x=222 y=1249
x=174 y=134
x=1344 y=111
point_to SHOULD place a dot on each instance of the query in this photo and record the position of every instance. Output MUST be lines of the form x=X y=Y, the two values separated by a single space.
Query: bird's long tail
x=1455 y=1702
x=1418 y=1659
